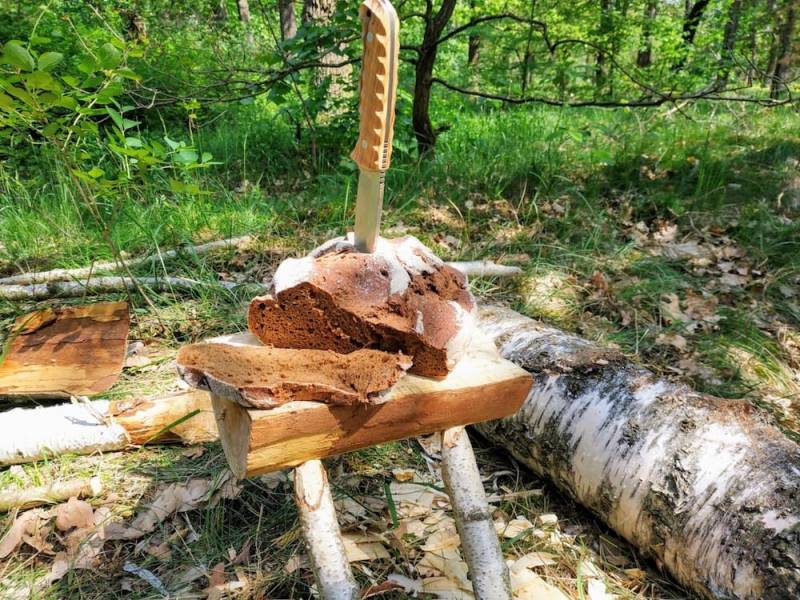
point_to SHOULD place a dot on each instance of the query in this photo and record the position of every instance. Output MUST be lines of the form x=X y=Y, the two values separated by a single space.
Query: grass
x=582 y=199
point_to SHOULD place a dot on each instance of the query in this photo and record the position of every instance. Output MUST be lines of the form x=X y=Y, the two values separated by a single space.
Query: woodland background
x=638 y=158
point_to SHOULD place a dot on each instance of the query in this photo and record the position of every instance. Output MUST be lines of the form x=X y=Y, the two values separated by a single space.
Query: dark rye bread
x=401 y=298
x=263 y=377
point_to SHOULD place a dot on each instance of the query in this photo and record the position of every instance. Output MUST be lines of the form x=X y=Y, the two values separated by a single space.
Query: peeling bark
x=705 y=486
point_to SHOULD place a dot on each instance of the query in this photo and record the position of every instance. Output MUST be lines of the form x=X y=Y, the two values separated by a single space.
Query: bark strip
x=487 y=568
x=708 y=487
x=321 y=530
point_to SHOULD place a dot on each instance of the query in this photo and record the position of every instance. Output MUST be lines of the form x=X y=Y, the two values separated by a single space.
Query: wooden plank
x=63 y=352
x=481 y=387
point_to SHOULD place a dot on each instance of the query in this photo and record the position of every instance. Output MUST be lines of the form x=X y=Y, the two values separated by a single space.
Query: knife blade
x=378 y=92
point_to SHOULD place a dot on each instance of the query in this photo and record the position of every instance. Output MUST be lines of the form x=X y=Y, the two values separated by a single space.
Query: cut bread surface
x=266 y=377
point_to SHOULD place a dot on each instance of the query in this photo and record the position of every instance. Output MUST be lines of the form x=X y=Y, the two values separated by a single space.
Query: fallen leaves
x=175 y=498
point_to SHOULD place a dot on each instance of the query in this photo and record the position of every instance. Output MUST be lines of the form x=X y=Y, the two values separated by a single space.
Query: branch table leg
x=321 y=530
x=487 y=569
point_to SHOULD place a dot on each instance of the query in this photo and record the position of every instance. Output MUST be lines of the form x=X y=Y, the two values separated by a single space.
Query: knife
x=378 y=92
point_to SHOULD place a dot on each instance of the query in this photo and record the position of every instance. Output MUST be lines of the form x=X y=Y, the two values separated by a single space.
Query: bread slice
x=263 y=377
x=401 y=298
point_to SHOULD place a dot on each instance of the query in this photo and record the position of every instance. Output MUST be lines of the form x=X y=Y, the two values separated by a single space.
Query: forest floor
x=673 y=236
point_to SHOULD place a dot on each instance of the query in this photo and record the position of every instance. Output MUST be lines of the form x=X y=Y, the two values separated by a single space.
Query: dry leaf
x=673 y=339
x=443 y=538
x=516 y=527
x=173 y=499
x=445 y=572
x=74 y=513
x=161 y=551
x=700 y=308
x=358 y=546
x=548 y=519
x=413 y=527
x=413 y=499
x=733 y=280
x=349 y=512
x=216 y=575
x=193 y=452
x=527 y=585
x=531 y=560
x=404 y=474
x=27 y=527
x=671 y=309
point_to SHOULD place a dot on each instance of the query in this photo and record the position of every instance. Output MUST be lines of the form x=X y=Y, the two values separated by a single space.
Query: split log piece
x=329 y=562
x=63 y=352
x=58 y=491
x=99 y=267
x=488 y=571
x=708 y=487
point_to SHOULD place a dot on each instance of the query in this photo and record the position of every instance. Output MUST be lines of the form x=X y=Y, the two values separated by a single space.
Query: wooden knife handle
x=379 y=28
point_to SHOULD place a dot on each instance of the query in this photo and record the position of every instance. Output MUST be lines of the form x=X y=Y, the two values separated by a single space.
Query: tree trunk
x=426 y=58
x=221 y=11
x=600 y=70
x=319 y=14
x=644 y=58
x=287 y=19
x=244 y=10
x=691 y=21
x=784 y=50
x=473 y=50
x=706 y=486
x=729 y=42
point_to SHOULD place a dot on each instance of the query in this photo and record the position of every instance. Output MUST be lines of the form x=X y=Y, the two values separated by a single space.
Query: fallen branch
x=102 y=285
x=84 y=272
x=58 y=491
x=485 y=268
x=31 y=434
x=706 y=486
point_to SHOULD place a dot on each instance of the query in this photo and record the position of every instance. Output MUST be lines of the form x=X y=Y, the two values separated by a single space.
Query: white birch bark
x=705 y=486
x=100 y=285
x=321 y=530
x=487 y=568
x=31 y=434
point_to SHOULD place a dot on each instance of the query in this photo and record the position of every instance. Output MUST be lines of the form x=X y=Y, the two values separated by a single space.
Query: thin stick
x=487 y=569
x=112 y=265
x=102 y=285
x=483 y=268
x=58 y=491
x=321 y=529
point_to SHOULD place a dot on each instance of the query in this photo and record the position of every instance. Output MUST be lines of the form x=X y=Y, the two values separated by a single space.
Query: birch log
x=705 y=486
x=321 y=530
x=487 y=568
x=30 y=434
